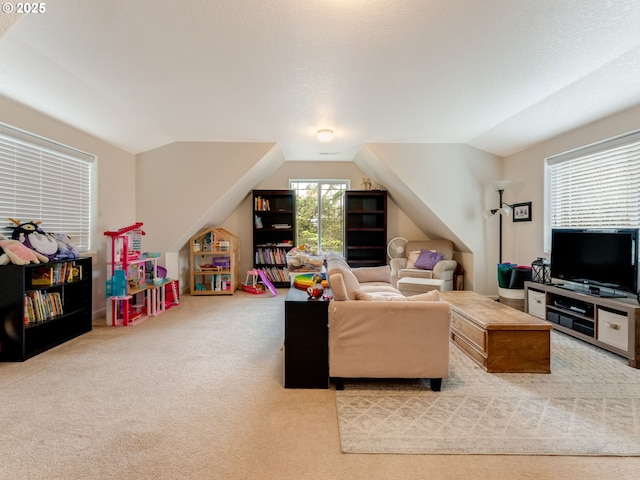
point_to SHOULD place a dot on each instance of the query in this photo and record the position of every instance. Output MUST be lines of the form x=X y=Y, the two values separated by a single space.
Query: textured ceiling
x=500 y=75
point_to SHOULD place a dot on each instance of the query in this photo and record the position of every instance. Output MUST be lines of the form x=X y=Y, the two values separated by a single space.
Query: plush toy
x=15 y=252
x=31 y=235
x=66 y=249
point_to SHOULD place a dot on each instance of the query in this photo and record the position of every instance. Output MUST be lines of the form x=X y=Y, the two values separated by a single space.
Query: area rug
x=588 y=405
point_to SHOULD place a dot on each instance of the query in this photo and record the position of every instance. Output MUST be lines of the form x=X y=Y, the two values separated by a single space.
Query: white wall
x=445 y=188
x=524 y=240
x=116 y=202
x=184 y=187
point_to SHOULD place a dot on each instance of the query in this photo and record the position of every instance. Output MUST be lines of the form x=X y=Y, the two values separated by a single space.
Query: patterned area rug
x=588 y=405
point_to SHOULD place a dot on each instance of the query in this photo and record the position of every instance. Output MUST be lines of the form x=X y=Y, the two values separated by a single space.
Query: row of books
x=40 y=305
x=63 y=272
x=277 y=274
x=261 y=204
x=270 y=256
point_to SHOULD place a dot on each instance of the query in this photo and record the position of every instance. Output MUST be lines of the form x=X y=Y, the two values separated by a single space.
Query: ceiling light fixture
x=325 y=135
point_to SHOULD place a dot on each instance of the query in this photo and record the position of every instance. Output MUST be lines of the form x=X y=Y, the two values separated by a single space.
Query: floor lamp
x=504 y=209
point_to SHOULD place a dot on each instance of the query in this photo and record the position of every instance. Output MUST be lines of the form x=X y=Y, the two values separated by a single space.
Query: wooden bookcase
x=274 y=232
x=214 y=262
x=42 y=306
x=366 y=227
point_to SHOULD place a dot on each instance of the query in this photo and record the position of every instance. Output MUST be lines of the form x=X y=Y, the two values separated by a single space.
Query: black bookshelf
x=274 y=232
x=64 y=302
x=366 y=227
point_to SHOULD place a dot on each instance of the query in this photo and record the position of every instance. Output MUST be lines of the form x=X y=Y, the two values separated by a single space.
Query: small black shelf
x=19 y=340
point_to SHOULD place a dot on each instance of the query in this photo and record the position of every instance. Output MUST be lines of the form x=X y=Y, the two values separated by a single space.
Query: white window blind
x=42 y=180
x=595 y=186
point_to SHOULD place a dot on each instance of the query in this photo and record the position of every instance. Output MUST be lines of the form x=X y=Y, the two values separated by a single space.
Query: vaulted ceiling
x=500 y=75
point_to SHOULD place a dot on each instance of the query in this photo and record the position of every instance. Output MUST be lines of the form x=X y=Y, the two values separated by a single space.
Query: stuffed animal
x=66 y=249
x=31 y=235
x=15 y=252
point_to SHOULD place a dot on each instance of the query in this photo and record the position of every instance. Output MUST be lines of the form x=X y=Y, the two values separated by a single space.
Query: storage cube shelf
x=42 y=306
x=214 y=262
x=274 y=232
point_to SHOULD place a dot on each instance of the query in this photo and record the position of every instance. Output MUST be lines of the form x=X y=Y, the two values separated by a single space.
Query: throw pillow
x=373 y=274
x=411 y=259
x=380 y=297
x=431 y=296
x=428 y=259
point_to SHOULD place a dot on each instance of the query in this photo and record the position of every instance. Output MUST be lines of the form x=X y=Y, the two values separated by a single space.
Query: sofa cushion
x=431 y=296
x=428 y=259
x=415 y=272
x=373 y=274
x=381 y=297
x=378 y=287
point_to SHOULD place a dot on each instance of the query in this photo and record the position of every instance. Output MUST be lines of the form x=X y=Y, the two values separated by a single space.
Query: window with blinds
x=42 y=180
x=594 y=187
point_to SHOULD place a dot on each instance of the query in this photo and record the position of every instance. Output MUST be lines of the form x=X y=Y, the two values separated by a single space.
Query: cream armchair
x=442 y=270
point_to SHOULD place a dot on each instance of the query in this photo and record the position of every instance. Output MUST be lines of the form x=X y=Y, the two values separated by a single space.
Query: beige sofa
x=376 y=332
x=443 y=270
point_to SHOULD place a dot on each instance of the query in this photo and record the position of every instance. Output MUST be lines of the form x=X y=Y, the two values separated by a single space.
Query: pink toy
x=16 y=252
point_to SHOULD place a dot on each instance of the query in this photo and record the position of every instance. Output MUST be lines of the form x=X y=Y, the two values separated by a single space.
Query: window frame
x=27 y=156
x=346 y=183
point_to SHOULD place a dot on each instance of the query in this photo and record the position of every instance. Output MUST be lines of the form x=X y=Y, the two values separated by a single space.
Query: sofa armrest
x=444 y=269
x=396 y=265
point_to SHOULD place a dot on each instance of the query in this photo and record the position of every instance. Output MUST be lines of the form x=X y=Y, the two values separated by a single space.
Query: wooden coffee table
x=498 y=337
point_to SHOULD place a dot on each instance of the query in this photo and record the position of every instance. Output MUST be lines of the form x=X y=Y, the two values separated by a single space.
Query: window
x=320 y=213
x=42 y=180
x=594 y=186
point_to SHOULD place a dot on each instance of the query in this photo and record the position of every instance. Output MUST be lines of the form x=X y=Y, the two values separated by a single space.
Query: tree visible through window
x=320 y=214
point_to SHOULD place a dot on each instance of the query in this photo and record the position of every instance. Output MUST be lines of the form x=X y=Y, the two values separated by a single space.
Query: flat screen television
x=596 y=259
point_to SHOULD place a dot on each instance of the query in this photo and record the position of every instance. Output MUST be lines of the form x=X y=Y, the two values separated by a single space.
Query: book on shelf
x=275 y=274
x=261 y=204
x=76 y=273
x=270 y=256
x=40 y=305
x=42 y=276
x=54 y=274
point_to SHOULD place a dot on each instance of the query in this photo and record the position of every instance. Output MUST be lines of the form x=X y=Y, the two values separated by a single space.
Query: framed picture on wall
x=522 y=212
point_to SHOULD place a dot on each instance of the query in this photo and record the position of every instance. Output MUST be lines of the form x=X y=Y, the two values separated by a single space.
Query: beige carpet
x=587 y=406
x=196 y=394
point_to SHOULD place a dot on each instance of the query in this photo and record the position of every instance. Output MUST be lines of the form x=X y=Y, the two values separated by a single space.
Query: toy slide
x=253 y=287
x=268 y=283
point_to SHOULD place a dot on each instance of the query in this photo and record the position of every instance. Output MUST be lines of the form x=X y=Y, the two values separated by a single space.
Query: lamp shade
x=505 y=210
x=487 y=214
x=501 y=184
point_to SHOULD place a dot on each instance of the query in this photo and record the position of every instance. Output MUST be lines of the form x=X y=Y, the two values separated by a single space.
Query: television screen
x=599 y=258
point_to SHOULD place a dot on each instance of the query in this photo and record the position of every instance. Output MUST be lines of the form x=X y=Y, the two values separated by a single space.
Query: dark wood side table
x=306 y=341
